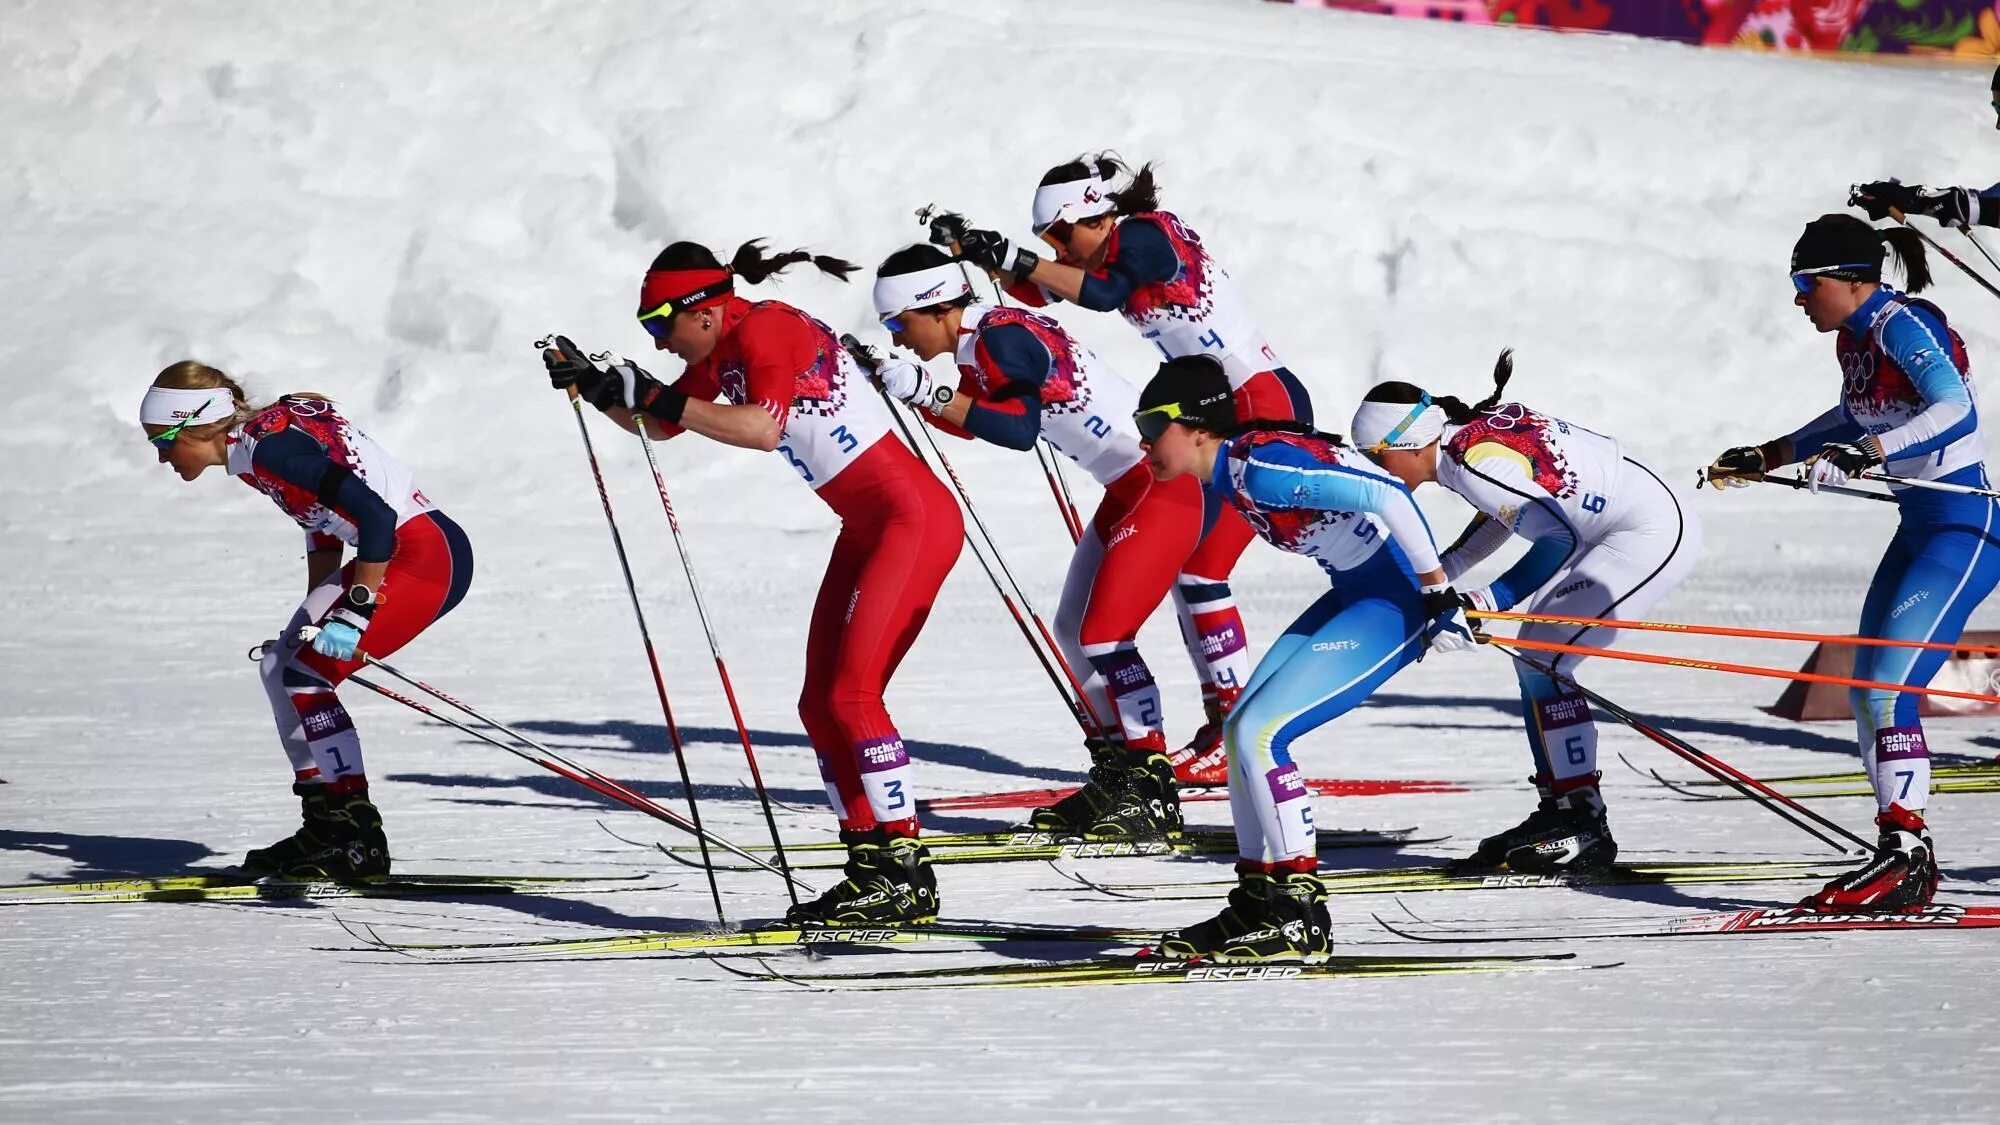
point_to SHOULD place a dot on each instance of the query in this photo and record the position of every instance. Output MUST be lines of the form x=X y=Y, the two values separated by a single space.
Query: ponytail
x=1455 y=410
x=750 y=264
x=1908 y=247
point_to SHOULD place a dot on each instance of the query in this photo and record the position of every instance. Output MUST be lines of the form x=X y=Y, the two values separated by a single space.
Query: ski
x=1416 y=879
x=1962 y=779
x=1199 y=839
x=1324 y=787
x=224 y=885
x=1046 y=846
x=1147 y=970
x=761 y=939
x=1756 y=920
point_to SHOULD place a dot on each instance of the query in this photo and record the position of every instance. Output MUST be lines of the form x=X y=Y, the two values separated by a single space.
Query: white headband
x=1069 y=202
x=900 y=292
x=1396 y=425
x=174 y=406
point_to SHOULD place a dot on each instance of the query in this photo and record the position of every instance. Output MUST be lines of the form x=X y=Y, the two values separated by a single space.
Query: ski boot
x=1203 y=762
x=351 y=844
x=889 y=883
x=1270 y=917
x=1566 y=834
x=1142 y=804
x=1901 y=878
x=1076 y=812
x=313 y=834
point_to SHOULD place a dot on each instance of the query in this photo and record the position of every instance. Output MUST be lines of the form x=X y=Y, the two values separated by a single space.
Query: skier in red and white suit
x=1116 y=250
x=1020 y=378
x=788 y=386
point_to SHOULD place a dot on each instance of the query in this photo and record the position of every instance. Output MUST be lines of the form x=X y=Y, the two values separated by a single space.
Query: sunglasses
x=660 y=322
x=1153 y=421
x=896 y=322
x=1804 y=280
x=1410 y=419
x=165 y=439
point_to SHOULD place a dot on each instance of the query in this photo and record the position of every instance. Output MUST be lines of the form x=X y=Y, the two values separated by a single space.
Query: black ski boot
x=1143 y=803
x=353 y=847
x=1078 y=811
x=1269 y=918
x=1575 y=839
x=314 y=833
x=889 y=883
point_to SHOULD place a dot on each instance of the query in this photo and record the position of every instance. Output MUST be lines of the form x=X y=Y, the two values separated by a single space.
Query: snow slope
x=388 y=203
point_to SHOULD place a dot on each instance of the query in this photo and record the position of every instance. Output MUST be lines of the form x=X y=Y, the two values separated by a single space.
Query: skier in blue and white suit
x=1907 y=407
x=1961 y=207
x=1310 y=494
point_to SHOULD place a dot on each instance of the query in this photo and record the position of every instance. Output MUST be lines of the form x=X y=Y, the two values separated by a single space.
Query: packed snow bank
x=389 y=202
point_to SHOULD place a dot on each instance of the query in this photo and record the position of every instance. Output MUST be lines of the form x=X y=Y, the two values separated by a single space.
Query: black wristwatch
x=360 y=599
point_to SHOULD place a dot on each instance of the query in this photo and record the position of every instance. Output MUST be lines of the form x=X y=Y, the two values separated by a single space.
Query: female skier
x=1115 y=249
x=1310 y=494
x=411 y=566
x=1022 y=377
x=789 y=387
x=1907 y=408
x=1609 y=539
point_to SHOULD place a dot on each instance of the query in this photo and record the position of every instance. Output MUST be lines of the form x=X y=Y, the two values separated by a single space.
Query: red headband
x=686 y=289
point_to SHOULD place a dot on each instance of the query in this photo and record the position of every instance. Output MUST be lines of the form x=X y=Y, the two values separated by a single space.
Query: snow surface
x=388 y=202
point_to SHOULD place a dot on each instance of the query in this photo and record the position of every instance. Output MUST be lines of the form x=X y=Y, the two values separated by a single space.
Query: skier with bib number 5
x=1116 y=250
x=789 y=387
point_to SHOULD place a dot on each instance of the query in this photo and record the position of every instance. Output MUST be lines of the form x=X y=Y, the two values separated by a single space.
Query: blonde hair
x=193 y=375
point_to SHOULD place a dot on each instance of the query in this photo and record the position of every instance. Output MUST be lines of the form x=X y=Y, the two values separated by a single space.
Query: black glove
x=1853 y=457
x=568 y=366
x=1877 y=198
x=867 y=357
x=1744 y=463
x=948 y=228
x=991 y=250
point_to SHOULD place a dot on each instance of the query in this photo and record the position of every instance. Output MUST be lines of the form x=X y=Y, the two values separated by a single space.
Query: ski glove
x=913 y=384
x=1951 y=207
x=568 y=366
x=1846 y=458
x=338 y=634
x=1737 y=467
x=992 y=251
x=1446 y=629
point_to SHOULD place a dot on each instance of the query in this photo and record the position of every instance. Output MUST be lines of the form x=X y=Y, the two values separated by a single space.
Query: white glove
x=913 y=384
x=1824 y=471
x=1446 y=630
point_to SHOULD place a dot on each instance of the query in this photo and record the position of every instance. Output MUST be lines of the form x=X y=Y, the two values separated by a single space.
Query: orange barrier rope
x=1739 y=669
x=1724 y=631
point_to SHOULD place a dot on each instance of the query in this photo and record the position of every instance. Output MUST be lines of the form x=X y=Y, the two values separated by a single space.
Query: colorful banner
x=1964 y=28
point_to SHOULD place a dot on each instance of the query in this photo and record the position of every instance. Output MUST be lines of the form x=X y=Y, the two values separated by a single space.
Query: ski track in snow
x=388 y=202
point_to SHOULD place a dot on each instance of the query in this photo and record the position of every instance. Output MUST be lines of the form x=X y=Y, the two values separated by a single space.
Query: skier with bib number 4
x=1310 y=494
x=789 y=387
x=411 y=566
x=1906 y=407
x=1609 y=538
x=1022 y=377
x=1116 y=250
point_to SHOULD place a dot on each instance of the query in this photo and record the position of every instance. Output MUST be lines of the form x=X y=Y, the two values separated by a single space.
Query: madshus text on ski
x=1219 y=446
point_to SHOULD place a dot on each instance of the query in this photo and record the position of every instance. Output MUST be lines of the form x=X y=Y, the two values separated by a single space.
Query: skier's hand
x=867 y=357
x=991 y=250
x=1841 y=460
x=338 y=634
x=568 y=366
x=913 y=384
x=1952 y=207
x=1879 y=197
x=1446 y=629
x=1738 y=466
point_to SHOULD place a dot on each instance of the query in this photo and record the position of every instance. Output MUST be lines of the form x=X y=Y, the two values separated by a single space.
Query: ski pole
x=1702 y=478
x=557 y=764
x=1786 y=808
x=645 y=635
x=1051 y=657
x=1933 y=485
x=715 y=650
x=1948 y=255
x=1978 y=245
x=1739 y=669
x=1059 y=488
x=1724 y=631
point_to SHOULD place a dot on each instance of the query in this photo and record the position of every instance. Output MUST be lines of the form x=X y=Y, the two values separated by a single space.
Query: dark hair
x=1837 y=238
x=1455 y=410
x=916 y=258
x=748 y=263
x=1285 y=425
x=1908 y=247
x=1136 y=197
